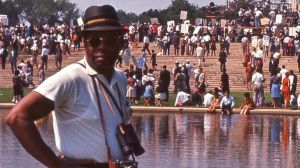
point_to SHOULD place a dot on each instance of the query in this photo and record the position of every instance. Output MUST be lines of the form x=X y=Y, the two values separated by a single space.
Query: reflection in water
x=192 y=140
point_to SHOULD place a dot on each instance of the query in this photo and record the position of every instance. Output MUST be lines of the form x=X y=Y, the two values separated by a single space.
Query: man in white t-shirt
x=258 y=89
x=132 y=32
x=88 y=100
x=258 y=15
x=200 y=54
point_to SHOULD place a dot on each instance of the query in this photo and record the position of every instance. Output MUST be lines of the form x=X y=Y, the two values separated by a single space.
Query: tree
x=39 y=12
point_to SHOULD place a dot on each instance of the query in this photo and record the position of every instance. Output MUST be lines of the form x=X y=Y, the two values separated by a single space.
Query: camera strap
x=101 y=116
x=109 y=157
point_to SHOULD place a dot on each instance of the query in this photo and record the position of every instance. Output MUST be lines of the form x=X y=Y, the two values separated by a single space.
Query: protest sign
x=72 y=23
x=278 y=19
x=213 y=22
x=197 y=29
x=154 y=20
x=266 y=40
x=4 y=20
x=198 y=21
x=204 y=22
x=247 y=30
x=254 y=41
x=169 y=23
x=264 y=21
x=184 y=28
x=183 y=15
x=80 y=21
x=187 y=22
x=223 y=22
x=141 y=62
x=292 y=31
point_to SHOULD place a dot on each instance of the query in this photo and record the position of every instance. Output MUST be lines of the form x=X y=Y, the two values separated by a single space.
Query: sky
x=139 y=6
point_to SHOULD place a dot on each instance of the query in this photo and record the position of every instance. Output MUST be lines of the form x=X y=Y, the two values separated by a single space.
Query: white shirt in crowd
x=259 y=54
x=200 y=52
x=45 y=51
x=227 y=100
x=245 y=40
x=258 y=78
x=146 y=39
x=131 y=29
x=194 y=39
x=282 y=72
x=258 y=13
x=208 y=97
x=181 y=97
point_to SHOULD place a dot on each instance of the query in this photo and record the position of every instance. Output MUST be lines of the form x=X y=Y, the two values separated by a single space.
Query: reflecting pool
x=192 y=140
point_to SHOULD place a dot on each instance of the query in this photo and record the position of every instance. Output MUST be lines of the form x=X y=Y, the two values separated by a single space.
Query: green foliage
x=39 y=12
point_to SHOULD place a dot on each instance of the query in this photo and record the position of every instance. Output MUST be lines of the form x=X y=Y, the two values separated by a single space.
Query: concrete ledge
x=6 y=105
x=153 y=109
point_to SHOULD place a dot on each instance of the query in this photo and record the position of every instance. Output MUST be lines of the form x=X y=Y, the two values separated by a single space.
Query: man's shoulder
x=120 y=74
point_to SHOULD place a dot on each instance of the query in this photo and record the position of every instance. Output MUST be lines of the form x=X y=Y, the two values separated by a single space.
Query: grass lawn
x=7 y=93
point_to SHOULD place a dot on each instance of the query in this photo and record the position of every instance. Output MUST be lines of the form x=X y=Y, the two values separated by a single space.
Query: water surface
x=191 y=140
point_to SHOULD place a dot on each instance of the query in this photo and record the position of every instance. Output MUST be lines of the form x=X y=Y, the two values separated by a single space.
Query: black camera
x=128 y=140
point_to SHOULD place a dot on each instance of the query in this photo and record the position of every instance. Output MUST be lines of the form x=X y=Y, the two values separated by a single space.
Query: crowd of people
x=42 y=41
x=39 y=42
x=256 y=54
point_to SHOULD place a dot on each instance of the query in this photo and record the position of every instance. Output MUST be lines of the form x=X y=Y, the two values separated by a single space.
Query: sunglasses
x=97 y=41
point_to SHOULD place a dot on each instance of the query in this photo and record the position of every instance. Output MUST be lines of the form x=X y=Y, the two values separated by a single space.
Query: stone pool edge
x=153 y=109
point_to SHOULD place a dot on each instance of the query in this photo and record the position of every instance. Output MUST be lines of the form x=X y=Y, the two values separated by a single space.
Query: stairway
x=211 y=67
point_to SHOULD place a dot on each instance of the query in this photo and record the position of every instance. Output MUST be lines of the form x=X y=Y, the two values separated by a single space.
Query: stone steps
x=211 y=67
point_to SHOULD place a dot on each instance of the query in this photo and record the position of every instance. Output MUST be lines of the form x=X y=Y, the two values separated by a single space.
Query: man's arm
x=21 y=120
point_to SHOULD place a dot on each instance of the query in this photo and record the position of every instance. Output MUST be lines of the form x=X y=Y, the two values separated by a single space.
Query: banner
x=171 y=22
x=184 y=28
x=213 y=22
x=154 y=20
x=293 y=31
x=4 y=20
x=183 y=15
x=247 y=30
x=71 y=23
x=80 y=22
x=187 y=22
x=198 y=21
x=204 y=22
x=254 y=41
x=278 y=19
x=266 y=40
x=223 y=22
x=197 y=29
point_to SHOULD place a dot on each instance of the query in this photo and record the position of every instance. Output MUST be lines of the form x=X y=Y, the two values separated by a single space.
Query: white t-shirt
x=181 y=97
x=131 y=29
x=258 y=13
x=245 y=40
x=257 y=78
x=45 y=51
x=259 y=54
x=76 y=117
x=207 y=99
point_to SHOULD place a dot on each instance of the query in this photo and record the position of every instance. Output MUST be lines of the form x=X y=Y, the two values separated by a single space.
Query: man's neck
x=108 y=74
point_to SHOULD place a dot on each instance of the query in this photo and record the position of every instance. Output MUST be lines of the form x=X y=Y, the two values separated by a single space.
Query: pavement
x=153 y=109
